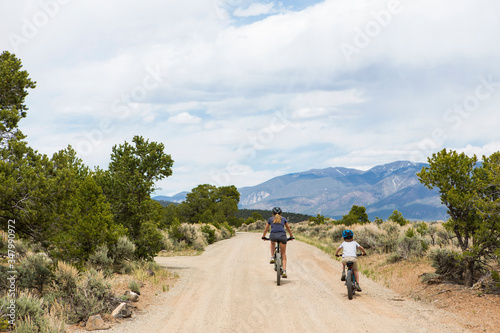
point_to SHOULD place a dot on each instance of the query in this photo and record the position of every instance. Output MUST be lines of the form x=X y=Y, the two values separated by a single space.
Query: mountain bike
x=350 y=279
x=278 y=263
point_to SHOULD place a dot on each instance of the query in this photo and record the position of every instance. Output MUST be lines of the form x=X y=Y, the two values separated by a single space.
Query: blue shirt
x=277 y=227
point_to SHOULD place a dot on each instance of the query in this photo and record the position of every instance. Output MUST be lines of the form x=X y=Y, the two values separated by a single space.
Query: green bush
x=451 y=266
x=495 y=275
x=447 y=264
x=229 y=229
x=100 y=260
x=235 y=222
x=123 y=253
x=357 y=215
x=422 y=228
x=150 y=241
x=389 y=240
x=337 y=233
x=35 y=272
x=30 y=315
x=412 y=247
x=209 y=233
x=398 y=218
x=65 y=280
x=370 y=238
x=410 y=232
x=92 y=296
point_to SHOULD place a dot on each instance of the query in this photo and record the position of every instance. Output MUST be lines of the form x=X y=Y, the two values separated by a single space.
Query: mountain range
x=333 y=191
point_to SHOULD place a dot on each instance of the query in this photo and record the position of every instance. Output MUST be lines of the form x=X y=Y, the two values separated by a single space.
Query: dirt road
x=231 y=287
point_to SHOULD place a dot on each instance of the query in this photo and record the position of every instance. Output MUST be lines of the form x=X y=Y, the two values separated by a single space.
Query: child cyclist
x=349 y=248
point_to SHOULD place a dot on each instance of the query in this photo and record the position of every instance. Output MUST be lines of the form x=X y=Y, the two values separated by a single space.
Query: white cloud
x=277 y=89
x=485 y=150
x=320 y=103
x=255 y=9
x=184 y=118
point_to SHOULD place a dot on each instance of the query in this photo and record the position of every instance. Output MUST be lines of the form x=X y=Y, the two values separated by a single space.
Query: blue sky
x=243 y=91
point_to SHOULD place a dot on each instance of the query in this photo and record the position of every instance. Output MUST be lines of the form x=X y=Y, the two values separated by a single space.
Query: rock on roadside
x=122 y=311
x=95 y=323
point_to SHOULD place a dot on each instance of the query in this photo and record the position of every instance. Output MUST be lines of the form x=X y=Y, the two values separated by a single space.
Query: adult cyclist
x=278 y=224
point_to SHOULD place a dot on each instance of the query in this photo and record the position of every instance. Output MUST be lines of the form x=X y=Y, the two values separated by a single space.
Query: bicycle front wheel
x=350 y=284
x=278 y=268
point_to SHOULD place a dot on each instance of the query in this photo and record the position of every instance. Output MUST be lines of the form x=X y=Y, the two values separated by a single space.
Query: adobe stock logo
x=248 y=148
x=122 y=109
x=455 y=116
x=371 y=30
x=39 y=20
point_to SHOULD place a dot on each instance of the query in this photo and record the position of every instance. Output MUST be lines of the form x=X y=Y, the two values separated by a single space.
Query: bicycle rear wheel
x=278 y=268
x=350 y=284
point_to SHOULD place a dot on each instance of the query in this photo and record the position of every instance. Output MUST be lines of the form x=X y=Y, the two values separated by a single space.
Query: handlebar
x=357 y=254
x=288 y=239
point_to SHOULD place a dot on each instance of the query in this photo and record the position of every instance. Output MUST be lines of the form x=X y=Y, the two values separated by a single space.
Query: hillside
x=291 y=217
x=333 y=191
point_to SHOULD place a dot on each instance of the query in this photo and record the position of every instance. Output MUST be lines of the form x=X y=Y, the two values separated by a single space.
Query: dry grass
x=149 y=276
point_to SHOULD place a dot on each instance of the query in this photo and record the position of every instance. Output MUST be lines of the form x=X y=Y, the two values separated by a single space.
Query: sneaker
x=272 y=260
x=284 y=274
x=358 y=288
x=342 y=278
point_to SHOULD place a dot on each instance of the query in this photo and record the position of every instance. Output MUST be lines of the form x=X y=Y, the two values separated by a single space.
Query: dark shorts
x=278 y=237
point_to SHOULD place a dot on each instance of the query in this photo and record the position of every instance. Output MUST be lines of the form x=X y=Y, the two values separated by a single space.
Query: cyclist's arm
x=362 y=249
x=265 y=230
x=288 y=229
x=338 y=250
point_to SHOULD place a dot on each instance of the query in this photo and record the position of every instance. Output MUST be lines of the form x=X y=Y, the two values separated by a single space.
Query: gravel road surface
x=232 y=287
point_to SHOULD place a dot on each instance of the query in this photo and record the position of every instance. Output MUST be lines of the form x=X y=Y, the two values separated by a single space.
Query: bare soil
x=232 y=287
x=475 y=310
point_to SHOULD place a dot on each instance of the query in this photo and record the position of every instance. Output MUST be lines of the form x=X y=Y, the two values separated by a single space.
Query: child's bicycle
x=350 y=279
x=278 y=263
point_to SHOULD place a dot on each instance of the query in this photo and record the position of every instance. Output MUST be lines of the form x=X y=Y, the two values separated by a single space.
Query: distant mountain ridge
x=333 y=191
x=177 y=198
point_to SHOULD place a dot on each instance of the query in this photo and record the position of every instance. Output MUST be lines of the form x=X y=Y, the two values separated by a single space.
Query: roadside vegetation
x=72 y=236
x=428 y=248
x=463 y=250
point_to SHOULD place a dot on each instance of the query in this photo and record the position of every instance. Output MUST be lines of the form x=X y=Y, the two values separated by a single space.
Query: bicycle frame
x=278 y=262
x=350 y=279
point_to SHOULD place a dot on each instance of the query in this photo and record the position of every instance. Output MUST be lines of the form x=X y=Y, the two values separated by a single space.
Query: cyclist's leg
x=273 y=248
x=356 y=275
x=283 y=255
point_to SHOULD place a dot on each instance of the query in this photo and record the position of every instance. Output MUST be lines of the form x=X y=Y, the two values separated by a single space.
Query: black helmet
x=347 y=233
x=276 y=210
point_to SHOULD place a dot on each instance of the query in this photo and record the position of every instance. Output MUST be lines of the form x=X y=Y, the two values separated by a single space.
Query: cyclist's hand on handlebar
x=265 y=238
x=291 y=238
